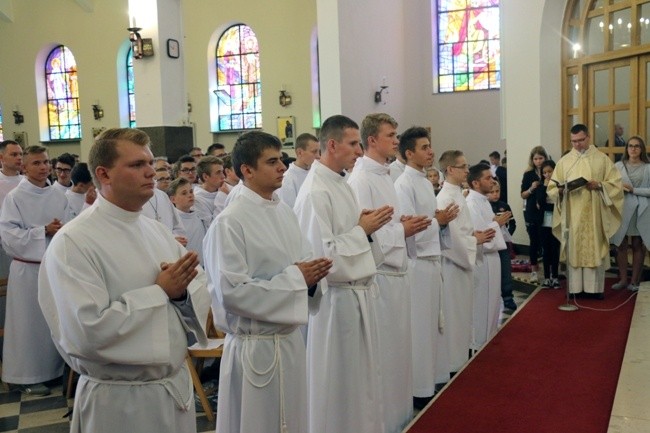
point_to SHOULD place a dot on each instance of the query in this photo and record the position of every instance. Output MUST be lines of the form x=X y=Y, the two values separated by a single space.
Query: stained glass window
x=239 y=90
x=62 y=95
x=1 y=132
x=468 y=45
x=130 y=87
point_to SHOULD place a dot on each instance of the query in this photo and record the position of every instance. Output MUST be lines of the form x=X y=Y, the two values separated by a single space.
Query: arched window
x=239 y=91
x=62 y=93
x=468 y=45
x=130 y=87
x=1 y=132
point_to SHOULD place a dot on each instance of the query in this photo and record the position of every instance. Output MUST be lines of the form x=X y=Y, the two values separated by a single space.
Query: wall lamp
x=18 y=117
x=285 y=98
x=378 y=93
x=141 y=47
x=98 y=112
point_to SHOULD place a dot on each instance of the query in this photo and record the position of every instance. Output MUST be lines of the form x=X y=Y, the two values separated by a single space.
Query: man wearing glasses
x=458 y=261
x=63 y=170
x=585 y=217
x=163 y=179
x=185 y=167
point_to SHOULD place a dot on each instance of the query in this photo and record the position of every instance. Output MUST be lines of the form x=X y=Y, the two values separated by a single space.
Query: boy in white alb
x=307 y=151
x=182 y=195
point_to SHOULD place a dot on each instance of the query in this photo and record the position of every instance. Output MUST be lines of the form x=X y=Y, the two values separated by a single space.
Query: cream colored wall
x=94 y=39
x=283 y=30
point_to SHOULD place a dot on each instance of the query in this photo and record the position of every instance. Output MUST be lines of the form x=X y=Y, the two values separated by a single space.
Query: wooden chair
x=214 y=349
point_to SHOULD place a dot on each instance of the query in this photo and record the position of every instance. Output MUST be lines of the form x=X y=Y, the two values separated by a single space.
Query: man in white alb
x=11 y=157
x=307 y=151
x=63 y=170
x=342 y=357
x=373 y=187
x=459 y=261
x=415 y=195
x=487 y=277
x=209 y=170
x=31 y=214
x=123 y=302
x=260 y=272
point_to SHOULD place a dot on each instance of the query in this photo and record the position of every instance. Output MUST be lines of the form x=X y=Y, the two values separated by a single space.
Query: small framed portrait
x=287 y=130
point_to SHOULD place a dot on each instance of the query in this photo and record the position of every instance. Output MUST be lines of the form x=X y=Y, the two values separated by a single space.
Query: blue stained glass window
x=1 y=132
x=130 y=87
x=468 y=45
x=239 y=91
x=64 y=119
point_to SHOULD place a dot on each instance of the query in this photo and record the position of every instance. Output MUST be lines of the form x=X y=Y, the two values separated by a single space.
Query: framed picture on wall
x=287 y=130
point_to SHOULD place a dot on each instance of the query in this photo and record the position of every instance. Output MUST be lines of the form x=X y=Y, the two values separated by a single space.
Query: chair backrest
x=211 y=330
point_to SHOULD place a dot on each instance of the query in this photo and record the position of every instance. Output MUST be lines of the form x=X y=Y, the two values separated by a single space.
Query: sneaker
x=510 y=305
x=633 y=287
x=547 y=283
x=533 y=277
x=555 y=283
x=35 y=389
x=620 y=285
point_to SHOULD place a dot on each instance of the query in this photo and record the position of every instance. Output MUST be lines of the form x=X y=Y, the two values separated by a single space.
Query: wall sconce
x=18 y=117
x=285 y=98
x=378 y=94
x=141 y=47
x=98 y=112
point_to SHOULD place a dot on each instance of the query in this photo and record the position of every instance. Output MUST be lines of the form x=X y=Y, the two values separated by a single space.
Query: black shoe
x=598 y=296
x=420 y=403
x=510 y=305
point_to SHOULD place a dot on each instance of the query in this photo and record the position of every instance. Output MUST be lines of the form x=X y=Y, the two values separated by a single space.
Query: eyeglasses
x=634 y=146
x=164 y=179
x=188 y=170
x=462 y=167
x=63 y=170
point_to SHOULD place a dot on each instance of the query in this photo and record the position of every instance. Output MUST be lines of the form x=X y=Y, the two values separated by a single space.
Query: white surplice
x=259 y=297
x=204 y=205
x=291 y=183
x=458 y=264
x=160 y=208
x=59 y=186
x=7 y=183
x=76 y=201
x=29 y=355
x=487 y=277
x=116 y=327
x=396 y=169
x=342 y=357
x=220 y=199
x=195 y=227
x=429 y=346
x=374 y=188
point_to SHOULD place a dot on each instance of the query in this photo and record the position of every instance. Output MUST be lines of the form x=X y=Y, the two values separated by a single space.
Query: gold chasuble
x=584 y=220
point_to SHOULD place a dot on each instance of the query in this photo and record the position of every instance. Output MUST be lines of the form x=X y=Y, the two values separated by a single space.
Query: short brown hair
x=103 y=153
x=205 y=165
x=303 y=140
x=371 y=124
x=35 y=150
x=448 y=158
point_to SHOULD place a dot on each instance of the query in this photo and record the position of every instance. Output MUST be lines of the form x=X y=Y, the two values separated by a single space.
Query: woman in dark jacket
x=533 y=215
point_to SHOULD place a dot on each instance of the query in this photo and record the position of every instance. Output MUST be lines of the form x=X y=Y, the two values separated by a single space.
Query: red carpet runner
x=547 y=371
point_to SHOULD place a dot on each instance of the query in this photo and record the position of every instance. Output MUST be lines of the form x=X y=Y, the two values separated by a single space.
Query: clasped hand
x=175 y=277
x=315 y=270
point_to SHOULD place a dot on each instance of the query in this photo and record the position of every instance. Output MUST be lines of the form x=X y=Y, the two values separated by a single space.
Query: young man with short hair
x=307 y=151
x=487 y=288
x=196 y=153
x=32 y=214
x=63 y=170
x=216 y=149
x=11 y=157
x=371 y=182
x=342 y=347
x=429 y=346
x=211 y=177
x=124 y=301
x=185 y=167
x=82 y=183
x=260 y=272
x=459 y=261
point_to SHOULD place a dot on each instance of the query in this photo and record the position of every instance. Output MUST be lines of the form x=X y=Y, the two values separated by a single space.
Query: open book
x=574 y=184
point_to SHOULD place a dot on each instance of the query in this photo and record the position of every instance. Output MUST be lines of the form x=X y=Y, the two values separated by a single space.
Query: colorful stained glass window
x=1 y=132
x=130 y=87
x=239 y=88
x=62 y=88
x=468 y=45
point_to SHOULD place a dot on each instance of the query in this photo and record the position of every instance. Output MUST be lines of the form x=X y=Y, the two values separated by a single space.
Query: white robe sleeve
x=132 y=330
x=279 y=298
x=28 y=243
